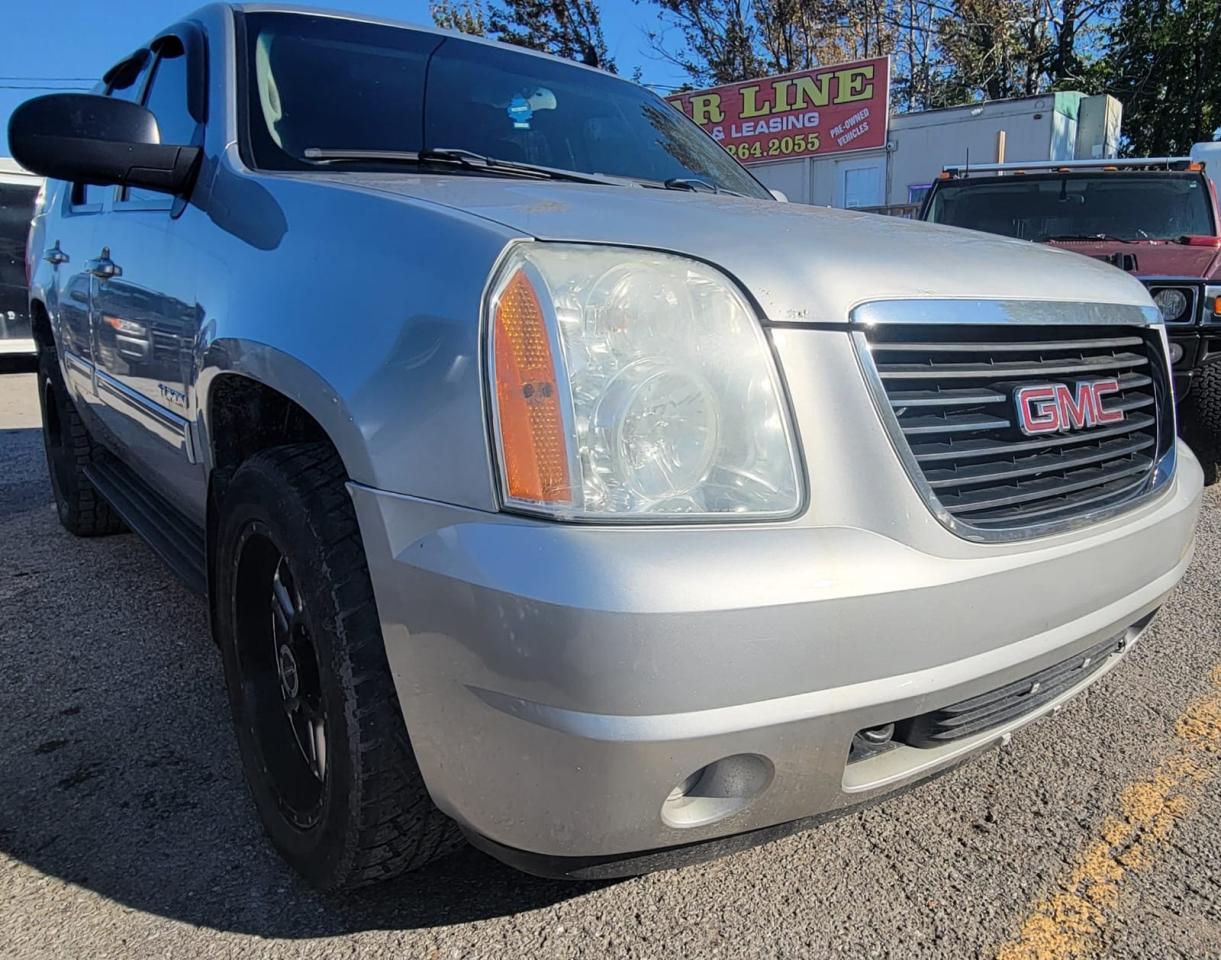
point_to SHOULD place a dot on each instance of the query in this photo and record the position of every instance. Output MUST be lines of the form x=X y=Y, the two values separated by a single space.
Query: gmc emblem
x=1055 y=408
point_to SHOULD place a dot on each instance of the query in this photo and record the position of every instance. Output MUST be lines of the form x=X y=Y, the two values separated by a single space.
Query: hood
x=802 y=264
x=1154 y=258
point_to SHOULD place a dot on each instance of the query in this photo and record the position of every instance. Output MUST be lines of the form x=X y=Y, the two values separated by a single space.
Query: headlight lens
x=1172 y=303
x=634 y=385
x=125 y=326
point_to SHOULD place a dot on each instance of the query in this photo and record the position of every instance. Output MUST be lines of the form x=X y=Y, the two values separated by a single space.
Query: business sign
x=815 y=112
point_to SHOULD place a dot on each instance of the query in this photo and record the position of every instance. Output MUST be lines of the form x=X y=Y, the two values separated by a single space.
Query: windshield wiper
x=696 y=185
x=1090 y=236
x=693 y=184
x=466 y=159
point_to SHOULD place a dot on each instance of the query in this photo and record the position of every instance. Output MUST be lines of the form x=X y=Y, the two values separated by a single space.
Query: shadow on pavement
x=17 y=364
x=118 y=766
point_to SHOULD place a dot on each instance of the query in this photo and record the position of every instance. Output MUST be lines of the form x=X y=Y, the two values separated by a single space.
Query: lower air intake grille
x=1007 y=703
x=953 y=396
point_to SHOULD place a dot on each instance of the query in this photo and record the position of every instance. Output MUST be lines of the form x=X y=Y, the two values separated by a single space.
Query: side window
x=167 y=99
x=87 y=194
x=127 y=84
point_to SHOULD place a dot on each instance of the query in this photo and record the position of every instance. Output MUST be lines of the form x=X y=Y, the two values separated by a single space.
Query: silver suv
x=550 y=482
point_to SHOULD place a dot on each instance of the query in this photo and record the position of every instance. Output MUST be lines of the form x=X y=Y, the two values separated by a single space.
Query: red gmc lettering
x=1055 y=408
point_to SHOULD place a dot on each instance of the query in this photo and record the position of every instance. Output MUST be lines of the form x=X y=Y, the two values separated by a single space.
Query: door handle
x=103 y=267
x=55 y=256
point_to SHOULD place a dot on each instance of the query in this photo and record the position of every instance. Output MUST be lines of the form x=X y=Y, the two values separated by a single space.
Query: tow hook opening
x=871 y=741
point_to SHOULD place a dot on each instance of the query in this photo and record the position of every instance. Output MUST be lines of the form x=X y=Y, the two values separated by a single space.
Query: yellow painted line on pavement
x=1069 y=922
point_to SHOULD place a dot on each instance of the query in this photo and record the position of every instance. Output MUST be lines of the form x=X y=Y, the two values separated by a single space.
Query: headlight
x=119 y=325
x=1172 y=303
x=634 y=385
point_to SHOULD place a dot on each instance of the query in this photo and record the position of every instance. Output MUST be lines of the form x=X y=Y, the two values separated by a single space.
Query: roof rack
x=1056 y=166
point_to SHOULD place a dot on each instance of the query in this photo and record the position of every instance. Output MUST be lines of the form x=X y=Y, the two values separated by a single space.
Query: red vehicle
x=1155 y=218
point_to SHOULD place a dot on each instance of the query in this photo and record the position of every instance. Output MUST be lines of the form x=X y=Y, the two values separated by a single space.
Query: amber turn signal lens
x=533 y=446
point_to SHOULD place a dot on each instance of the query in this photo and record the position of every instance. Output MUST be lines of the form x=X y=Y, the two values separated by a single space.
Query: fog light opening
x=685 y=788
x=717 y=790
x=1176 y=352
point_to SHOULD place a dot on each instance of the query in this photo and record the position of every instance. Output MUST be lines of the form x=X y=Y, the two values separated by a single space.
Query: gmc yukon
x=549 y=482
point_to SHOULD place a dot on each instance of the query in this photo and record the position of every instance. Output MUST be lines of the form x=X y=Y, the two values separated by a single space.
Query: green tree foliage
x=1160 y=58
x=566 y=28
x=944 y=51
x=1164 y=64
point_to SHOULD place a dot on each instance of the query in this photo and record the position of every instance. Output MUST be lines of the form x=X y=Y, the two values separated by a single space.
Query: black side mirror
x=85 y=138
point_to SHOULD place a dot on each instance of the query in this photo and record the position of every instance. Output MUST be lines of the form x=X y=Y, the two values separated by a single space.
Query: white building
x=1056 y=126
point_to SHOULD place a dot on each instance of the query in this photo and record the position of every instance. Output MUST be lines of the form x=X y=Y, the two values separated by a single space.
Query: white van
x=18 y=190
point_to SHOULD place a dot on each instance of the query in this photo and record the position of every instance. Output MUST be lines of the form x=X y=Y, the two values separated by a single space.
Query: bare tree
x=566 y=28
x=717 y=40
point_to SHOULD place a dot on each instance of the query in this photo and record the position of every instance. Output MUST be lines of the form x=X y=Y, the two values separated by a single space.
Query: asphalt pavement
x=126 y=830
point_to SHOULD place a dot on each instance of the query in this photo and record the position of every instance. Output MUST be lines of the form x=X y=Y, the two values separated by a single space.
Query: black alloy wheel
x=321 y=736
x=70 y=450
x=280 y=679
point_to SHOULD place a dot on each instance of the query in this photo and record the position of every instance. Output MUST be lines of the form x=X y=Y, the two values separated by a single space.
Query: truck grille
x=947 y=393
x=991 y=709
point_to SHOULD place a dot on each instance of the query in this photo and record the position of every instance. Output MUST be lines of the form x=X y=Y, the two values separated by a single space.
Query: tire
x=321 y=736
x=70 y=450
x=1200 y=419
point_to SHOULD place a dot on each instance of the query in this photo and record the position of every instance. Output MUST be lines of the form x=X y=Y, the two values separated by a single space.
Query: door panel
x=69 y=247
x=145 y=312
x=145 y=325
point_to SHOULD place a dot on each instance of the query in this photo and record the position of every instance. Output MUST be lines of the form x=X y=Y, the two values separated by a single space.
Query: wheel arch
x=40 y=324
x=251 y=396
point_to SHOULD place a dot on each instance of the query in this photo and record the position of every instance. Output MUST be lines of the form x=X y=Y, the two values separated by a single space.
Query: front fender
x=287 y=375
x=365 y=311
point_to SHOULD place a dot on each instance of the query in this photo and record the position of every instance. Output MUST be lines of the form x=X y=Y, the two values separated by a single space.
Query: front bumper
x=1201 y=347
x=559 y=681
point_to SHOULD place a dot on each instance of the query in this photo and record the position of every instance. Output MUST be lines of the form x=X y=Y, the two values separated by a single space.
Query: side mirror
x=779 y=195
x=85 y=138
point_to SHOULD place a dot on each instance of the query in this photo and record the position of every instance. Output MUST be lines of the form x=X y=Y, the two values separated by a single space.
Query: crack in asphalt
x=1070 y=922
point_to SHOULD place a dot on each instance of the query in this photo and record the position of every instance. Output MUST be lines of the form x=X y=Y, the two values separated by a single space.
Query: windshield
x=321 y=83
x=1078 y=206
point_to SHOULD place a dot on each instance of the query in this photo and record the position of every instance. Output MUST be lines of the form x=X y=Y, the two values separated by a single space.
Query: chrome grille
x=947 y=394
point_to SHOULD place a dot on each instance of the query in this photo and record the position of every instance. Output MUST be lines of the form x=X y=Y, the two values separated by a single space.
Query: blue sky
x=81 y=38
